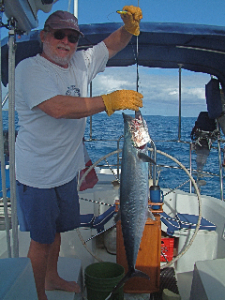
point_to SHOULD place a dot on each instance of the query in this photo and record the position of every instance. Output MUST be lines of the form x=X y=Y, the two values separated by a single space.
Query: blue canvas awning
x=199 y=48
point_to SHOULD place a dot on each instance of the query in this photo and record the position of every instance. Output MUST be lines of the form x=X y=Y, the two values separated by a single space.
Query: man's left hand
x=132 y=19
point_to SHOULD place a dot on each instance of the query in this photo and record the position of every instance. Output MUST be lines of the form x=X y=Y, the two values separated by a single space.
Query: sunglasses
x=72 y=38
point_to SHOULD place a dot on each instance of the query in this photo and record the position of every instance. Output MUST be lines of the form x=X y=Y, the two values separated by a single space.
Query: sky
x=158 y=86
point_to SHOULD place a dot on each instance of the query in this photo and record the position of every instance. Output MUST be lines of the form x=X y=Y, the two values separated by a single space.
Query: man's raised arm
x=119 y=39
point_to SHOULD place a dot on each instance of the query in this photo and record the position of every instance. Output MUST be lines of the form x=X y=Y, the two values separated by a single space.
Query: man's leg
x=52 y=279
x=39 y=211
x=38 y=254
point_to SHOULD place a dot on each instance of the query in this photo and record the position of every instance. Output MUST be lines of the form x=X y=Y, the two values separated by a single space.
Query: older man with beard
x=52 y=103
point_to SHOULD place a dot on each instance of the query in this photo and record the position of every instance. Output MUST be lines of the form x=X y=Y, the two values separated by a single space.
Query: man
x=52 y=103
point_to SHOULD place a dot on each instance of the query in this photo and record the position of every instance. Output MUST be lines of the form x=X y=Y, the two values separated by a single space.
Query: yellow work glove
x=122 y=99
x=132 y=19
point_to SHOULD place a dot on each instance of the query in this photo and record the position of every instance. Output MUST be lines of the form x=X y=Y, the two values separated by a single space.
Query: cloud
x=160 y=88
x=113 y=79
x=109 y=83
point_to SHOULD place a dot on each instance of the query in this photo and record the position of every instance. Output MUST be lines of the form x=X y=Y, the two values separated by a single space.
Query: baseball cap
x=63 y=20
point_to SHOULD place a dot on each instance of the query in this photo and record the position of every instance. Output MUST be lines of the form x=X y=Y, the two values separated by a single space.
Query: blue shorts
x=44 y=212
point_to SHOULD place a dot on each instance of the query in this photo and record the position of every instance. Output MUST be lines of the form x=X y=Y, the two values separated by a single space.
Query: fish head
x=137 y=129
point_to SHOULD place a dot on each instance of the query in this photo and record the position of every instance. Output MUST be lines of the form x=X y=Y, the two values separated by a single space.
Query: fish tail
x=131 y=273
x=138 y=273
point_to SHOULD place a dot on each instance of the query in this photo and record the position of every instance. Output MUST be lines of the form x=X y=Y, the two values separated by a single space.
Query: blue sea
x=163 y=131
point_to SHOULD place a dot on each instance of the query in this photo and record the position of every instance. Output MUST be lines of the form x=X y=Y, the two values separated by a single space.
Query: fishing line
x=137 y=80
x=110 y=15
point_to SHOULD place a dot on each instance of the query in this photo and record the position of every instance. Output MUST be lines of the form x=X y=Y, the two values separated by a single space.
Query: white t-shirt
x=49 y=151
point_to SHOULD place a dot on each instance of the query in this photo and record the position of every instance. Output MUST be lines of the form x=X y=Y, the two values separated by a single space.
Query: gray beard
x=58 y=60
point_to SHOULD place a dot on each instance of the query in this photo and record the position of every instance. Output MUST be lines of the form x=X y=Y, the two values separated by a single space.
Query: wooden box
x=148 y=259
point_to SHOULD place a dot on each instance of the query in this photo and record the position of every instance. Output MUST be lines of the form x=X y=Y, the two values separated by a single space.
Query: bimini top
x=199 y=48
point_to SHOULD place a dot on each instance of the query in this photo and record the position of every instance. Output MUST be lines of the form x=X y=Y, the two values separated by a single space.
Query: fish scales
x=134 y=191
x=133 y=194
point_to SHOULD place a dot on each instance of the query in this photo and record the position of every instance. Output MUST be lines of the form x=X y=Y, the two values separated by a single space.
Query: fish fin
x=145 y=158
x=131 y=273
x=138 y=273
x=150 y=215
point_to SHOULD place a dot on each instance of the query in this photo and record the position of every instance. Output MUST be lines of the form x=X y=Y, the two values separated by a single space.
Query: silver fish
x=134 y=190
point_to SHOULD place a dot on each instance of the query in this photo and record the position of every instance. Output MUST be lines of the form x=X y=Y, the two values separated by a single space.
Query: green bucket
x=101 y=278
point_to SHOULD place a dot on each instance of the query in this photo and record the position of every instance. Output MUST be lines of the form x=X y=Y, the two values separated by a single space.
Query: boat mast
x=75 y=8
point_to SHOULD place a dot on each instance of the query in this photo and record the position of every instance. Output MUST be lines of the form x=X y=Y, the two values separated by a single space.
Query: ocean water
x=106 y=131
x=164 y=132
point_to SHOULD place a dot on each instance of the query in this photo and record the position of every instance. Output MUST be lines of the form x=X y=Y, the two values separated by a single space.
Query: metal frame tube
x=3 y=175
x=154 y=165
x=118 y=156
x=90 y=135
x=179 y=125
x=11 y=61
x=5 y=100
x=76 y=8
x=190 y=162
x=220 y=165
